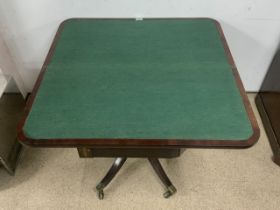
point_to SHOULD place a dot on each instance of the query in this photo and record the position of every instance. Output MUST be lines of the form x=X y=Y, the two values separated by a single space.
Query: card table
x=149 y=89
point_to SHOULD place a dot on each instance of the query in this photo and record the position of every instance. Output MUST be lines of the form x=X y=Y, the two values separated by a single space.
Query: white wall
x=252 y=27
x=11 y=78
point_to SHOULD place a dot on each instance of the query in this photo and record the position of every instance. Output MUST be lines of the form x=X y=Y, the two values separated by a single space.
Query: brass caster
x=100 y=194
x=170 y=191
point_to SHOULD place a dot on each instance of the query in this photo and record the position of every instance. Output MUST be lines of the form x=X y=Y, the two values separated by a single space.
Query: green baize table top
x=150 y=79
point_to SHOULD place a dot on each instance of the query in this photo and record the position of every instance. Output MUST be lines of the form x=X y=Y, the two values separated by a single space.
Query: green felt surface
x=150 y=79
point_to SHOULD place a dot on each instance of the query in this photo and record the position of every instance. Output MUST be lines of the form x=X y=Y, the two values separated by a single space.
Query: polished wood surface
x=268 y=103
x=11 y=109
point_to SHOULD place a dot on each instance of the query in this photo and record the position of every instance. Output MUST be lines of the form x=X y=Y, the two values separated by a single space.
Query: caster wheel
x=170 y=191
x=100 y=194
x=167 y=194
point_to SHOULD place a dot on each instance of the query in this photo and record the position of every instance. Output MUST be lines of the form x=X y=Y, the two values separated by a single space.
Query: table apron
x=86 y=152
